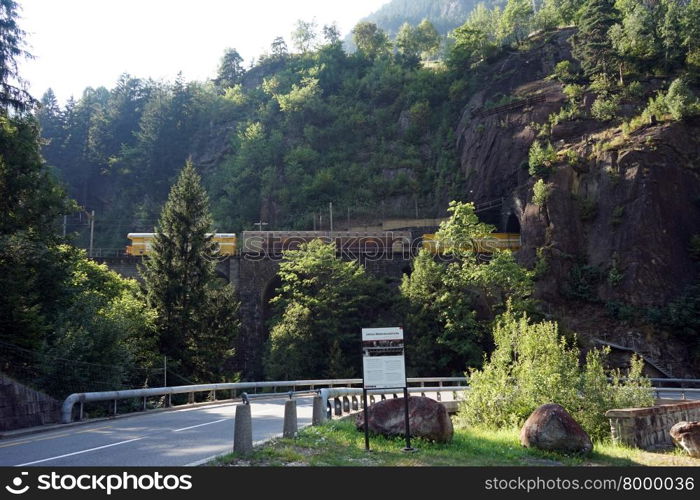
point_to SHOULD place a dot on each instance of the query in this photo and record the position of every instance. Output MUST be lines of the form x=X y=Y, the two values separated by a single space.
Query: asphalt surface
x=172 y=438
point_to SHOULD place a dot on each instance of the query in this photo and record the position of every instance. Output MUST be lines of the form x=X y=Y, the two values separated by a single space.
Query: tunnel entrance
x=513 y=224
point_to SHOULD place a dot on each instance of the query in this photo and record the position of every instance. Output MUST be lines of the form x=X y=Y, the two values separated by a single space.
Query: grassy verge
x=339 y=444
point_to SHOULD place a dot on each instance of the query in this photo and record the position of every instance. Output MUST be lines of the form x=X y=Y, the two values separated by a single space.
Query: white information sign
x=383 y=358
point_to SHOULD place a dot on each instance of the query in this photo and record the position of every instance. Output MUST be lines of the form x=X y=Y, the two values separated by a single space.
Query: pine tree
x=592 y=45
x=196 y=316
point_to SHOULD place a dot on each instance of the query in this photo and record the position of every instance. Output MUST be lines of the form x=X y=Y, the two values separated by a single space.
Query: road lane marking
x=78 y=452
x=200 y=425
x=27 y=441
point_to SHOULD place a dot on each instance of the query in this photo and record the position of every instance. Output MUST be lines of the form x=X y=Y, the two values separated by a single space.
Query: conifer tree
x=592 y=45
x=196 y=316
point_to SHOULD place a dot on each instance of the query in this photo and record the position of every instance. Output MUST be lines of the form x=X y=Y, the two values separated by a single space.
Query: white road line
x=78 y=452
x=200 y=425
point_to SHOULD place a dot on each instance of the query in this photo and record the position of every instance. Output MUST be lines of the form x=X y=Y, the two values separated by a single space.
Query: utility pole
x=92 y=231
x=165 y=371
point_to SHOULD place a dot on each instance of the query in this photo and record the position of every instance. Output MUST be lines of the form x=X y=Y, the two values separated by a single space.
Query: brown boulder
x=551 y=428
x=428 y=419
x=687 y=436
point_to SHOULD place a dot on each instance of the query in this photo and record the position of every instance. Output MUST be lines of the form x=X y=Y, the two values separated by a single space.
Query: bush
x=605 y=108
x=540 y=192
x=533 y=365
x=680 y=101
x=541 y=158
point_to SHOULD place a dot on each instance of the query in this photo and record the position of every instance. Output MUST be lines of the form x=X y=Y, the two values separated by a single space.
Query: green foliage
x=540 y=192
x=533 y=365
x=443 y=297
x=582 y=282
x=541 y=158
x=591 y=45
x=574 y=92
x=195 y=316
x=370 y=40
x=680 y=101
x=12 y=47
x=562 y=71
x=605 y=108
x=321 y=306
x=421 y=41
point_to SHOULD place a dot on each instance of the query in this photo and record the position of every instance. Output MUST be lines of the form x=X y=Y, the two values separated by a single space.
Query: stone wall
x=648 y=428
x=21 y=406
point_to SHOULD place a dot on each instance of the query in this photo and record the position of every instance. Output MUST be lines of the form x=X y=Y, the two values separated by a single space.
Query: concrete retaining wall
x=22 y=407
x=648 y=428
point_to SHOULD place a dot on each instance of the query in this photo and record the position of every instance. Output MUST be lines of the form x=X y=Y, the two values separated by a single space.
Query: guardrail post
x=319 y=413
x=354 y=404
x=346 y=404
x=243 y=430
x=290 y=419
x=115 y=408
x=144 y=403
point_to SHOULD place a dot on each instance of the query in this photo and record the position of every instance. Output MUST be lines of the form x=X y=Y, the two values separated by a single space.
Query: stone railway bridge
x=254 y=277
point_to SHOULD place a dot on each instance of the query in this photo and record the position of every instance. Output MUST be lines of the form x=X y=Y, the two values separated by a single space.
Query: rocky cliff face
x=616 y=227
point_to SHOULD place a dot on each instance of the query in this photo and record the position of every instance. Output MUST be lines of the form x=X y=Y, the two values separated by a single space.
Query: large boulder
x=687 y=436
x=428 y=419
x=551 y=428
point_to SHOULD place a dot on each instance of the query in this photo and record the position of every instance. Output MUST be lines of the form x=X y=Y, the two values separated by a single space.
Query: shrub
x=574 y=92
x=541 y=158
x=605 y=108
x=533 y=365
x=634 y=90
x=540 y=192
x=562 y=72
x=680 y=101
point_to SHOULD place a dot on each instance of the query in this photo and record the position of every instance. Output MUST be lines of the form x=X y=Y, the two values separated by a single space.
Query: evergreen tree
x=11 y=48
x=196 y=316
x=592 y=45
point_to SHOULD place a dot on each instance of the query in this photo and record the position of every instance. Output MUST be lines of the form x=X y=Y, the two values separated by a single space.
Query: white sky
x=81 y=43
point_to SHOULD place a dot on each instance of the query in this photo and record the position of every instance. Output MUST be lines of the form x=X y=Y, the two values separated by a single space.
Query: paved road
x=172 y=438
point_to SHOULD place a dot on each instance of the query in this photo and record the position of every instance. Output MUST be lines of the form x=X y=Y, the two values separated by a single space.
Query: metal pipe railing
x=90 y=397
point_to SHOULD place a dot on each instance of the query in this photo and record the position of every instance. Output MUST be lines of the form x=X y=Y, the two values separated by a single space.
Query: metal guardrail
x=416 y=385
x=90 y=397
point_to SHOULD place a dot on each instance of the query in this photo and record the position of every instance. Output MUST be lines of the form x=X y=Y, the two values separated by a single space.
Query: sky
x=89 y=43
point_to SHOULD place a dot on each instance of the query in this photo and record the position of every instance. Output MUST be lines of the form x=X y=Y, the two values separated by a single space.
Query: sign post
x=384 y=367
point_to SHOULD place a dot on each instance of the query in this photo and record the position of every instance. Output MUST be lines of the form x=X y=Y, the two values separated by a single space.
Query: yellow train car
x=494 y=243
x=141 y=243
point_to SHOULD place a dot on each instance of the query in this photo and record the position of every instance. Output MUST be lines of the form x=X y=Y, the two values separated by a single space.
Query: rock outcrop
x=428 y=419
x=551 y=428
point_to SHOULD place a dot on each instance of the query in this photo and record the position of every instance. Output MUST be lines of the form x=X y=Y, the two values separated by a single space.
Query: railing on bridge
x=80 y=399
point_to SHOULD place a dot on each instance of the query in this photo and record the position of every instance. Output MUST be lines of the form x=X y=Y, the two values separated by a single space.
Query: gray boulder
x=687 y=436
x=428 y=419
x=550 y=427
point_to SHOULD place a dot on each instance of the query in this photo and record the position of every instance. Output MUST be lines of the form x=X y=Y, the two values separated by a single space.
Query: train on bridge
x=365 y=242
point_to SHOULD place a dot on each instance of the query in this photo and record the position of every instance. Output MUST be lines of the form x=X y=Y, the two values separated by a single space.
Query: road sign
x=383 y=361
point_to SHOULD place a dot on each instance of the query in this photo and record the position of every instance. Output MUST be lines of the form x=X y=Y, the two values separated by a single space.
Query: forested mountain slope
x=588 y=133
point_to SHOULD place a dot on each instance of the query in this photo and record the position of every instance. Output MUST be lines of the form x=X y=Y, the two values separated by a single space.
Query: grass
x=337 y=443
